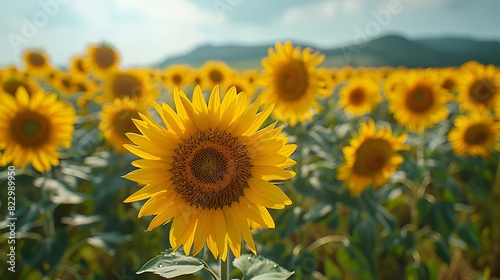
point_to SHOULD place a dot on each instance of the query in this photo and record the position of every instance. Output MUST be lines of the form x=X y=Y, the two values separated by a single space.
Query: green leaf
x=442 y=250
x=469 y=233
x=331 y=270
x=260 y=268
x=172 y=264
x=442 y=218
x=354 y=260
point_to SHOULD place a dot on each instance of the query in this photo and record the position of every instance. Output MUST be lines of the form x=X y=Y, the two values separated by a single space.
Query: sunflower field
x=289 y=171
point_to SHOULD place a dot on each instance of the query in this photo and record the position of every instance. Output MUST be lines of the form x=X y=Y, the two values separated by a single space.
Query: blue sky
x=148 y=31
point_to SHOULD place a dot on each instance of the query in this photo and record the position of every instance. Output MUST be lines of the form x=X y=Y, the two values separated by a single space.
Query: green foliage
x=260 y=268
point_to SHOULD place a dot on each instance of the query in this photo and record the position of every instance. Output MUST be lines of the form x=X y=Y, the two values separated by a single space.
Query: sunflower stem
x=495 y=224
x=418 y=189
x=225 y=270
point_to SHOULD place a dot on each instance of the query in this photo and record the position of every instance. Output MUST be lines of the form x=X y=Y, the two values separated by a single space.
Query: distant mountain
x=389 y=50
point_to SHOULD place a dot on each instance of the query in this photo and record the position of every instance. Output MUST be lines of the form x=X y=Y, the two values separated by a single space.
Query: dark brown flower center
x=481 y=91
x=177 y=79
x=420 y=99
x=372 y=156
x=211 y=169
x=449 y=84
x=36 y=59
x=477 y=134
x=30 y=129
x=215 y=76
x=292 y=80
x=104 y=57
x=357 y=96
x=126 y=85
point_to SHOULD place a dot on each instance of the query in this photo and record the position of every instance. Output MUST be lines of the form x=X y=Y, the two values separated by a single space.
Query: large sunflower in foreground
x=479 y=89
x=370 y=159
x=420 y=101
x=475 y=135
x=37 y=63
x=208 y=171
x=291 y=82
x=360 y=96
x=32 y=128
x=117 y=120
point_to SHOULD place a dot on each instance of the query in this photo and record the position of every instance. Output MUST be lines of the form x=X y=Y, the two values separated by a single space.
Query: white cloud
x=143 y=32
x=319 y=11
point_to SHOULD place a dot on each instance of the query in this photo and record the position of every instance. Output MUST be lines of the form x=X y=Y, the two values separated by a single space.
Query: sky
x=145 y=32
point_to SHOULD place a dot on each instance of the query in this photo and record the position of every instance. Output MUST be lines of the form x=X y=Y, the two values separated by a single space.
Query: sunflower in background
x=134 y=84
x=360 y=96
x=326 y=83
x=178 y=76
x=251 y=76
x=214 y=73
x=36 y=62
x=371 y=159
x=63 y=82
x=346 y=73
x=88 y=89
x=209 y=171
x=197 y=78
x=394 y=81
x=476 y=134
x=291 y=82
x=79 y=66
x=102 y=59
x=419 y=102
x=116 y=120
x=241 y=84
x=449 y=78
x=479 y=89
x=12 y=80
x=33 y=127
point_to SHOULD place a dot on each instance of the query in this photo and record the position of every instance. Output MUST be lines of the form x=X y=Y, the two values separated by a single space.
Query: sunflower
x=135 y=84
x=394 y=81
x=12 y=80
x=216 y=73
x=178 y=76
x=475 y=135
x=37 y=63
x=420 y=101
x=63 y=82
x=370 y=159
x=449 y=78
x=197 y=78
x=326 y=83
x=291 y=81
x=117 y=120
x=102 y=59
x=360 y=96
x=79 y=66
x=241 y=85
x=208 y=171
x=87 y=88
x=252 y=76
x=479 y=89
x=32 y=128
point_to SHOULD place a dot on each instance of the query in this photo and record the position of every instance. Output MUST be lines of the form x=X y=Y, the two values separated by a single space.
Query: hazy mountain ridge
x=392 y=50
